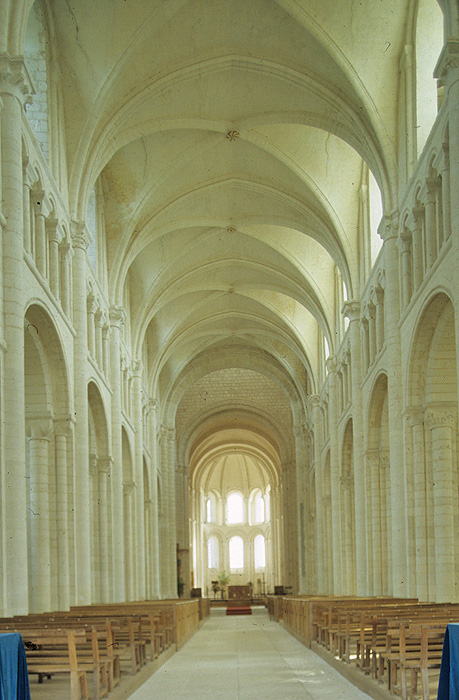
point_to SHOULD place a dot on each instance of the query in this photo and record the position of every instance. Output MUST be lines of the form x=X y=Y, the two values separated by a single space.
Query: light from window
x=212 y=553
x=209 y=510
x=236 y=553
x=259 y=552
x=376 y=212
x=235 y=509
x=259 y=509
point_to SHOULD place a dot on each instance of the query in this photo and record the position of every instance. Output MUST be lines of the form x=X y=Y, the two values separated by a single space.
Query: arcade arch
x=238 y=472
x=432 y=434
x=48 y=428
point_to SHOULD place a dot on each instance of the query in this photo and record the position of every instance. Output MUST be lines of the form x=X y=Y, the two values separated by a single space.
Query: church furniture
x=239 y=595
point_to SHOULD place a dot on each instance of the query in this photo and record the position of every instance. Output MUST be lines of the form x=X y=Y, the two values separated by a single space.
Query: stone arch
x=431 y=436
x=378 y=489
x=256 y=359
x=348 y=563
x=48 y=461
x=226 y=460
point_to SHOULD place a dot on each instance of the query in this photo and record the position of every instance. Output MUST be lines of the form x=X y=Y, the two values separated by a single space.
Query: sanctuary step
x=239 y=610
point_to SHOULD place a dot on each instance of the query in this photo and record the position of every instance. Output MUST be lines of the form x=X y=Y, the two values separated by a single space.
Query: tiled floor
x=246 y=658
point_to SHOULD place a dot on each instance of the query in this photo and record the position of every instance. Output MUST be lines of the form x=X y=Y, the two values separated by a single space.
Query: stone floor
x=246 y=658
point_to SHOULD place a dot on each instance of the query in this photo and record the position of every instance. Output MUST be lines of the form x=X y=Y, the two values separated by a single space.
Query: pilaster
x=442 y=423
x=15 y=91
x=39 y=432
x=334 y=473
x=63 y=431
x=138 y=470
x=80 y=242
x=399 y=545
x=316 y=411
x=154 y=553
x=104 y=468
x=117 y=316
x=351 y=309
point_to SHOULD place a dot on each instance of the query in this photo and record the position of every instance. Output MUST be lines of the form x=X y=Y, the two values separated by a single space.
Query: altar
x=239 y=595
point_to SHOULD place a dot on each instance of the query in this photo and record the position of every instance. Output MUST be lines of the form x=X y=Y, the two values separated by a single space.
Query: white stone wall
x=367 y=501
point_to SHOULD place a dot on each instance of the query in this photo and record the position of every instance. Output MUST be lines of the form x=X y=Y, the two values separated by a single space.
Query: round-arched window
x=234 y=508
x=236 y=553
x=259 y=552
x=213 y=559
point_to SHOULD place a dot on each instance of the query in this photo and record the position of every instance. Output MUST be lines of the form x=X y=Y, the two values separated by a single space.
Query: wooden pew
x=54 y=651
x=100 y=645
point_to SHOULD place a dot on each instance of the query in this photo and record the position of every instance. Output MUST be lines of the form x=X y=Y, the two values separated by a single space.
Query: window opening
x=259 y=509
x=212 y=553
x=236 y=553
x=235 y=509
x=259 y=550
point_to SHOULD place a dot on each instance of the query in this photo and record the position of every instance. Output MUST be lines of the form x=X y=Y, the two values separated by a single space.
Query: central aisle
x=246 y=658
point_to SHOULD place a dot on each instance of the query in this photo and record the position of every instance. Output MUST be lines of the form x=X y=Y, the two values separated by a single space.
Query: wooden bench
x=54 y=651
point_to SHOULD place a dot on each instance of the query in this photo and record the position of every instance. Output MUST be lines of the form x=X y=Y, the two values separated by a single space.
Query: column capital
x=104 y=464
x=384 y=460
x=351 y=309
x=371 y=456
x=29 y=174
x=137 y=368
x=414 y=416
x=93 y=464
x=445 y=149
x=153 y=404
x=117 y=316
x=39 y=428
x=54 y=230
x=404 y=242
x=80 y=238
x=63 y=426
x=41 y=204
x=440 y=418
x=129 y=487
x=346 y=481
x=15 y=79
x=377 y=295
x=315 y=405
x=447 y=68
x=391 y=226
x=92 y=303
x=331 y=363
x=300 y=430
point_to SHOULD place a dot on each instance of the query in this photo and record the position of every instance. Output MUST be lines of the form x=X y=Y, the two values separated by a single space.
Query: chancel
x=229 y=300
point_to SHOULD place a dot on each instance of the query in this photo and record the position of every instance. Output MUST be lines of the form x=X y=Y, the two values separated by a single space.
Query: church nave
x=246 y=658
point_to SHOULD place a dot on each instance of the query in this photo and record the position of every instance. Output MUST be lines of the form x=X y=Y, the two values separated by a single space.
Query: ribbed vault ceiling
x=231 y=140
